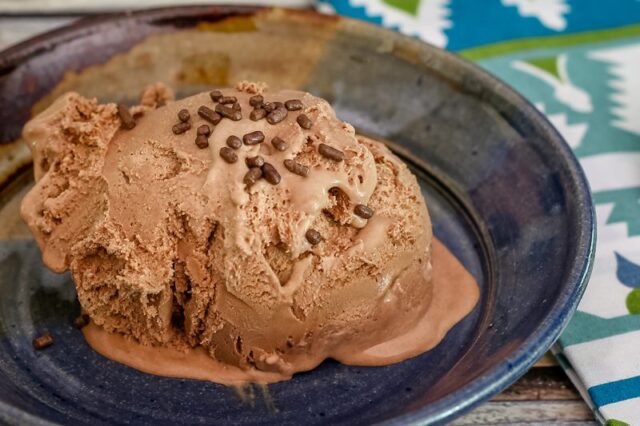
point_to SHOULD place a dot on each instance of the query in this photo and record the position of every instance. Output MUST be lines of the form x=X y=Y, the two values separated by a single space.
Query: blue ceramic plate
x=504 y=190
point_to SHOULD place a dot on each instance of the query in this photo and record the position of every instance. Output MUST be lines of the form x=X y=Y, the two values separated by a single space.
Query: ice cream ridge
x=238 y=235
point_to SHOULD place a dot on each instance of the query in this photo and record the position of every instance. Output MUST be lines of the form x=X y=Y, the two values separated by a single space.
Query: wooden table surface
x=543 y=396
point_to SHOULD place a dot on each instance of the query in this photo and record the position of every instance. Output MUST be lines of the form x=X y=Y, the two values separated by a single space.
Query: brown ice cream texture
x=170 y=248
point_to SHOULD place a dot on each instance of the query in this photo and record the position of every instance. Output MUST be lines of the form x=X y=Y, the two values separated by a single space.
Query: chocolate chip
x=272 y=106
x=228 y=154
x=202 y=142
x=293 y=104
x=279 y=144
x=216 y=95
x=253 y=138
x=183 y=115
x=297 y=168
x=234 y=142
x=126 y=120
x=256 y=101
x=236 y=107
x=363 y=211
x=277 y=115
x=304 y=121
x=209 y=115
x=228 y=112
x=204 y=130
x=256 y=161
x=257 y=114
x=228 y=100
x=180 y=128
x=81 y=321
x=253 y=175
x=270 y=173
x=330 y=152
x=313 y=236
x=42 y=342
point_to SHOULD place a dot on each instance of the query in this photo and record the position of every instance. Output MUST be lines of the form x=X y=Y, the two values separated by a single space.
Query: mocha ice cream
x=253 y=225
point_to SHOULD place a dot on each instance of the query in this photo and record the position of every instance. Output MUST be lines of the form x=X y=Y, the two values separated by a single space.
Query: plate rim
x=545 y=334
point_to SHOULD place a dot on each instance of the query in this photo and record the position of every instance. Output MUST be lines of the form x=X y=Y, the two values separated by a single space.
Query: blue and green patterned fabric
x=578 y=61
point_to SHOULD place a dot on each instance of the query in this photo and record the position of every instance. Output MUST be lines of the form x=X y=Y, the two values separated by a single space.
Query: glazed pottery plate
x=505 y=193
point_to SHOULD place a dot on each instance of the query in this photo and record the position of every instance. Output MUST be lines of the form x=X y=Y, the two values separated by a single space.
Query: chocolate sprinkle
x=270 y=173
x=228 y=112
x=204 y=130
x=256 y=161
x=216 y=95
x=236 y=107
x=363 y=211
x=81 y=321
x=256 y=101
x=279 y=144
x=228 y=100
x=228 y=154
x=126 y=120
x=253 y=138
x=234 y=142
x=257 y=114
x=293 y=104
x=272 y=106
x=42 y=342
x=277 y=115
x=183 y=115
x=304 y=121
x=253 y=175
x=313 y=236
x=209 y=115
x=297 y=168
x=180 y=128
x=202 y=142
x=330 y=152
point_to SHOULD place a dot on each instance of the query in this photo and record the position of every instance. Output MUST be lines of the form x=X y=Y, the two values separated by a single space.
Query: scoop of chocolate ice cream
x=254 y=224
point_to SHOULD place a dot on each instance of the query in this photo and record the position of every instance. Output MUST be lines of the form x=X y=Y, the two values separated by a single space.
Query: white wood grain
x=529 y=413
x=85 y=6
x=15 y=30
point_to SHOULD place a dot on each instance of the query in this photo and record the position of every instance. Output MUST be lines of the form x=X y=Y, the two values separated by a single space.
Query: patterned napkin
x=578 y=61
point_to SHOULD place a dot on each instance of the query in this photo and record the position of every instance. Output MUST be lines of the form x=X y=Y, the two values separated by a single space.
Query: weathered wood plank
x=543 y=396
x=547 y=360
x=91 y=6
x=541 y=384
x=16 y=29
x=529 y=413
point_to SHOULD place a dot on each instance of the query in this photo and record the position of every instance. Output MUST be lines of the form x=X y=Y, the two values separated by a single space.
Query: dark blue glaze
x=505 y=193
